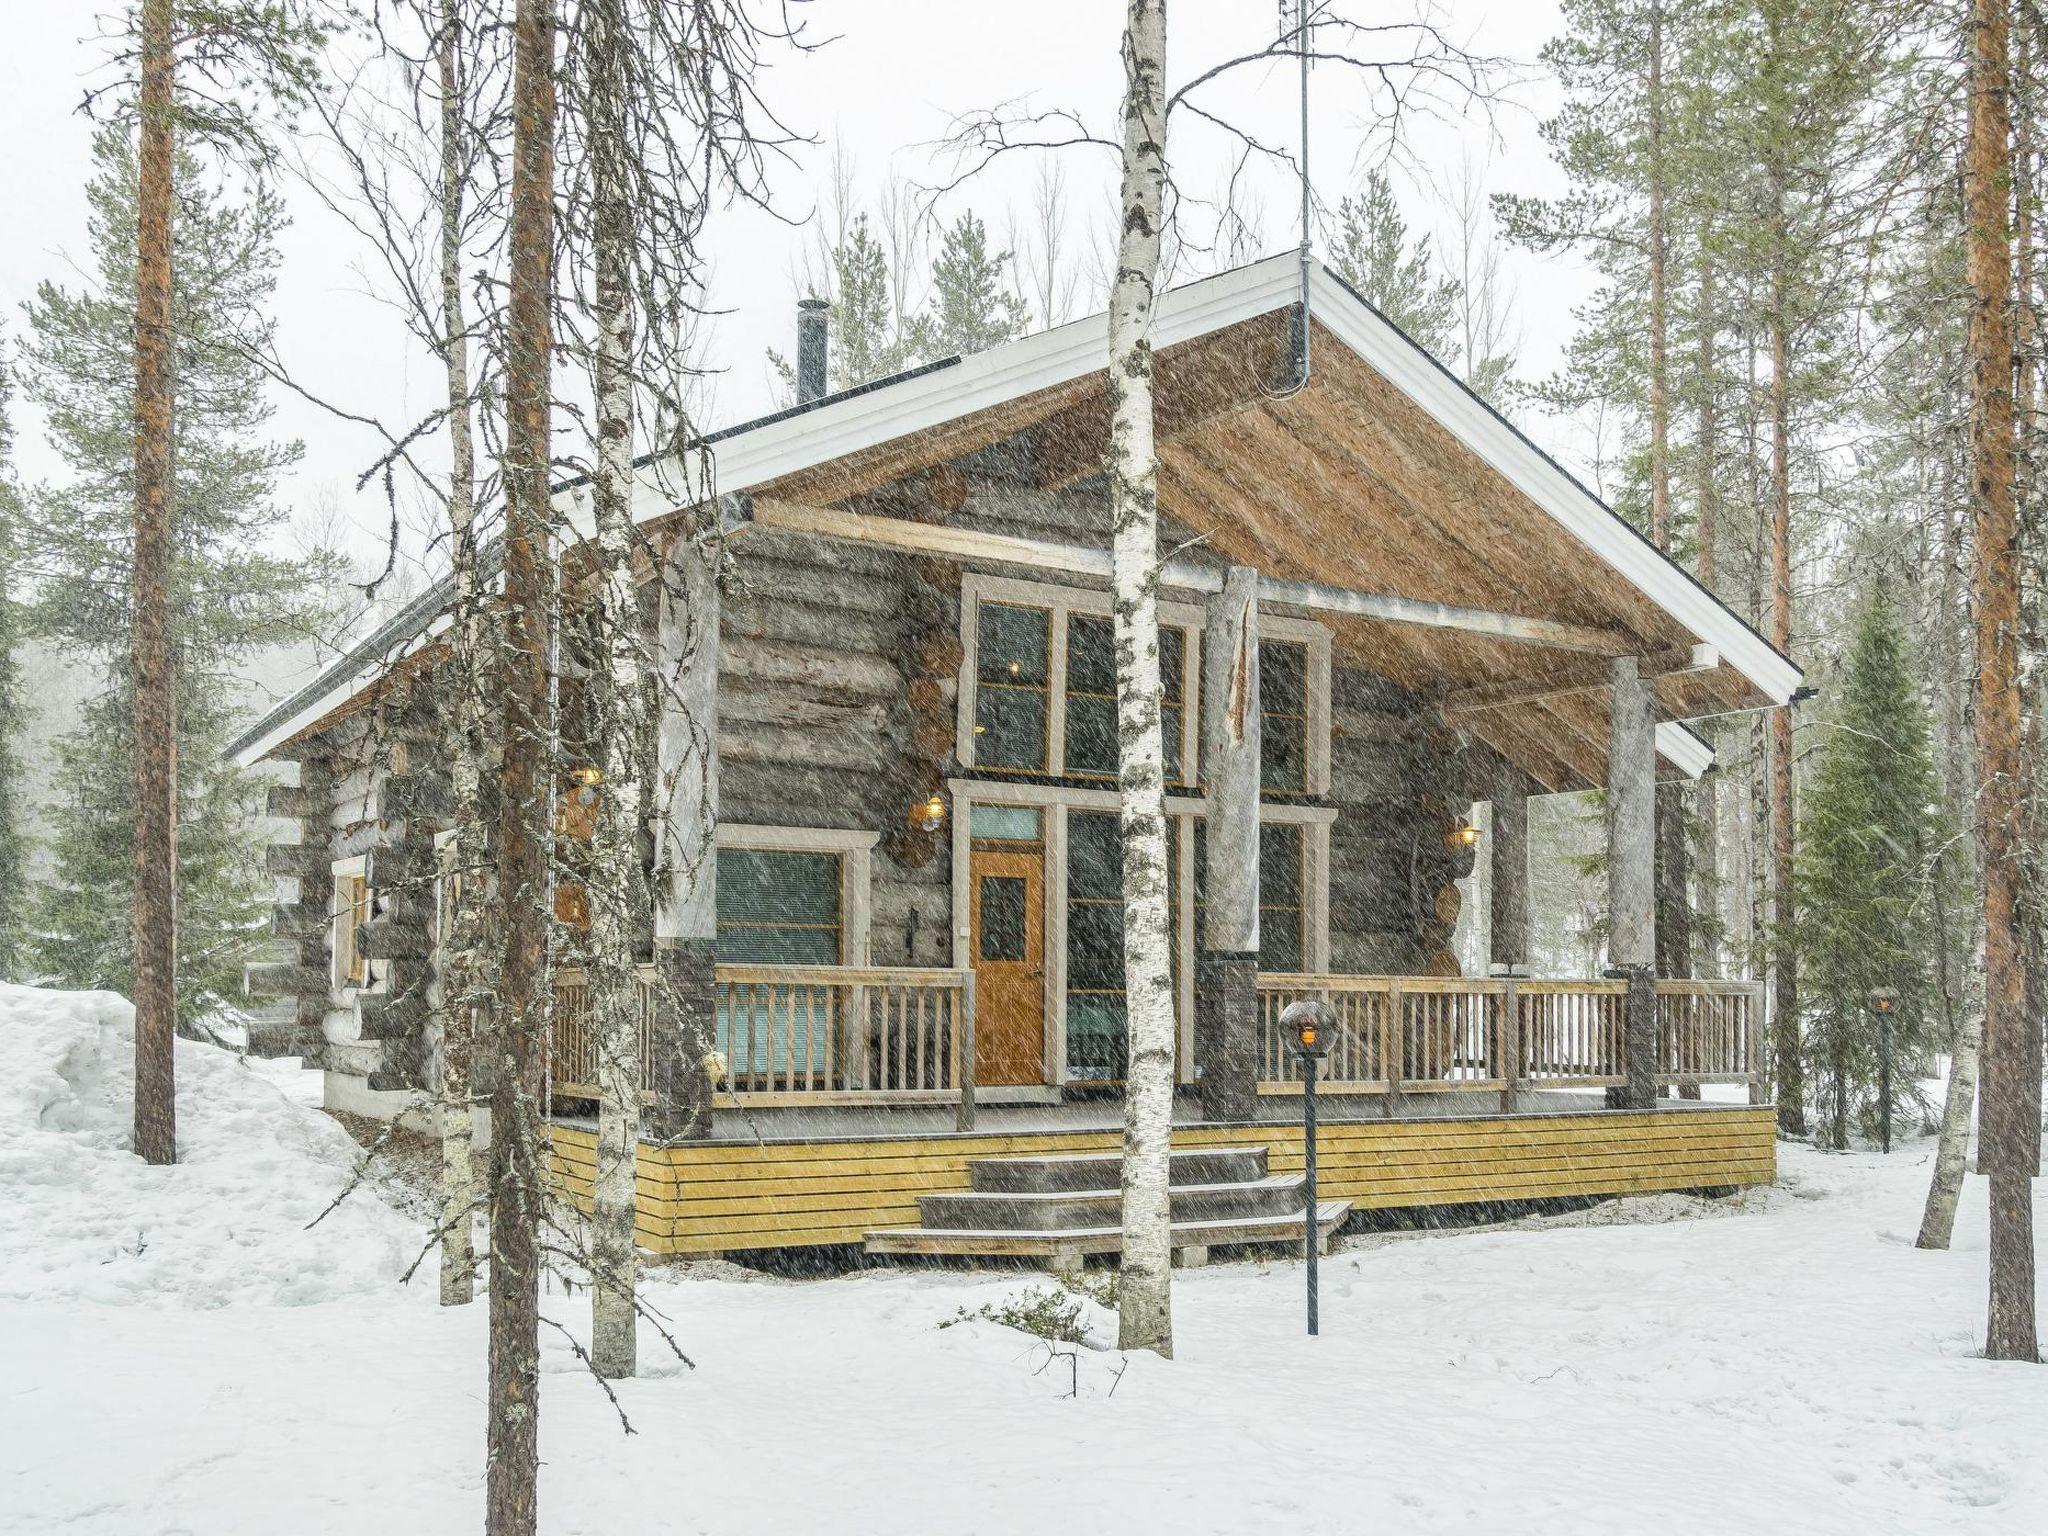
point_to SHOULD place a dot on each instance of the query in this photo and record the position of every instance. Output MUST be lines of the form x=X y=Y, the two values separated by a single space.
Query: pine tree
x=1398 y=278
x=972 y=308
x=229 y=596
x=1871 y=857
x=14 y=928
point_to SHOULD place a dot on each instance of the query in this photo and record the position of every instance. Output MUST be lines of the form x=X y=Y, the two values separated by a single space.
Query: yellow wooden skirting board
x=708 y=1197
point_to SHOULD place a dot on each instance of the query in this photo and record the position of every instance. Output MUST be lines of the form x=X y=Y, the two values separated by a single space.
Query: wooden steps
x=1063 y=1207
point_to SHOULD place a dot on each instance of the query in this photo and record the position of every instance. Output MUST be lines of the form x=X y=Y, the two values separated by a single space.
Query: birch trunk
x=615 y=709
x=2009 y=1144
x=525 y=831
x=460 y=991
x=1145 y=1292
x=155 y=720
x=1952 y=1149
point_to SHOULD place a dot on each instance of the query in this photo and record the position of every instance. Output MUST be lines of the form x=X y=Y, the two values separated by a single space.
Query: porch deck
x=737 y=1194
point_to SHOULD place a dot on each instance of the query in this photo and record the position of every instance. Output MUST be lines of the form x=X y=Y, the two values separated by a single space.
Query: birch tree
x=1145 y=1303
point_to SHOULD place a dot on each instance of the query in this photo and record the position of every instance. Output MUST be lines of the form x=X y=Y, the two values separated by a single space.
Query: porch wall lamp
x=1463 y=835
x=929 y=814
x=589 y=775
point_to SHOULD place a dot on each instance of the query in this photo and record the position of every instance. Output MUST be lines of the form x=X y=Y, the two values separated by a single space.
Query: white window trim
x=977 y=588
x=1056 y=800
x=339 y=870
x=855 y=851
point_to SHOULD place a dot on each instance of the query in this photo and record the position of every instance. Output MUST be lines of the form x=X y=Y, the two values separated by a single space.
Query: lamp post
x=1884 y=1002
x=1310 y=1021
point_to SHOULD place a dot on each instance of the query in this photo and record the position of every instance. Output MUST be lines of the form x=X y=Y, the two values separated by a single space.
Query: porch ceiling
x=1350 y=483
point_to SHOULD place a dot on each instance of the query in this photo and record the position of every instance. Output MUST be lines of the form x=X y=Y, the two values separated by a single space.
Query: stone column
x=1508 y=940
x=1226 y=983
x=1631 y=872
x=685 y=832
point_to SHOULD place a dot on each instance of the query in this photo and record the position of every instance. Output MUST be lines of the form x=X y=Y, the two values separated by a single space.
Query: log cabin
x=1380 y=604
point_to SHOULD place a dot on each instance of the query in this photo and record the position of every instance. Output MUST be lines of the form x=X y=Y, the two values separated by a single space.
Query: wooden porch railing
x=1413 y=1034
x=806 y=1034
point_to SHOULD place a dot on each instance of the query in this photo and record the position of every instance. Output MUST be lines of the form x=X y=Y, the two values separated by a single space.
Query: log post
x=684 y=1023
x=1226 y=993
x=1631 y=873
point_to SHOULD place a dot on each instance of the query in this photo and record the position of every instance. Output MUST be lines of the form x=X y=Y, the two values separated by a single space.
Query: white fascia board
x=1684 y=748
x=340 y=689
x=1577 y=510
x=1005 y=373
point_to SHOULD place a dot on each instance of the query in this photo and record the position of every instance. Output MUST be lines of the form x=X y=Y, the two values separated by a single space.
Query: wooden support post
x=1508 y=940
x=963 y=1002
x=684 y=1023
x=1226 y=1001
x=1509 y=1044
x=1631 y=873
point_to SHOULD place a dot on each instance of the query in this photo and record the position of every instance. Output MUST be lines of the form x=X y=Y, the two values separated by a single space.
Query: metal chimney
x=811 y=345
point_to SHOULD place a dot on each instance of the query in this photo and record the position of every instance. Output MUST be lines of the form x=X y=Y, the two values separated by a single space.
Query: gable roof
x=1028 y=373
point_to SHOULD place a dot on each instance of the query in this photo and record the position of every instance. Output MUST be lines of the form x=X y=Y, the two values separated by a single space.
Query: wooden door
x=1007 y=907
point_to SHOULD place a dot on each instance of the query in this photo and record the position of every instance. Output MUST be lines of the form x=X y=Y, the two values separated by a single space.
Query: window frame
x=1060 y=603
x=342 y=914
x=855 y=852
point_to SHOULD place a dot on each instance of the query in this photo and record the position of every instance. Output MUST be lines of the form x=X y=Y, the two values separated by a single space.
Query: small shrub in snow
x=1049 y=1314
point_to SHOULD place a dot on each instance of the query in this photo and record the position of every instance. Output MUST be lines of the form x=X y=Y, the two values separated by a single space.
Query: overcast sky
x=882 y=90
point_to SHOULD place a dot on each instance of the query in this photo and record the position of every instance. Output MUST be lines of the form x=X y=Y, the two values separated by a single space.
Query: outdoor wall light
x=589 y=775
x=1463 y=835
x=930 y=813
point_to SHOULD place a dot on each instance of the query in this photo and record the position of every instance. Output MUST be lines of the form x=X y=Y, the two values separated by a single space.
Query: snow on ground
x=1793 y=1364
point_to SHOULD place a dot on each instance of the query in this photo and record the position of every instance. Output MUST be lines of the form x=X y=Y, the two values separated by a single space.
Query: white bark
x=1952 y=1149
x=615 y=714
x=1146 y=1288
x=454 y=1117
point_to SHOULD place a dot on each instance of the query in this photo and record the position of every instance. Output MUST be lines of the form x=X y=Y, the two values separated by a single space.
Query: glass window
x=1283 y=715
x=1004 y=823
x=1003 y=917
x=1283 y=904
x=1091 y=696
x=1097 y=1022
x=1012 y=660
x=777 y=907
x=351 y=908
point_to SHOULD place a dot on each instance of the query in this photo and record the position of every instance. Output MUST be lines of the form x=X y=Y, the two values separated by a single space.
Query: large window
x=1013 y=676
x=1098 y=1035
x=1283 y=715
x=1091 y=696
x=777 y=907
x=1283 y=894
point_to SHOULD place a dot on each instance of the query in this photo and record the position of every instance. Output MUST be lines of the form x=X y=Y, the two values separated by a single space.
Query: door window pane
x=1003 y=913
x=1004 y=823
x=1283 y=715
x=1012 y=651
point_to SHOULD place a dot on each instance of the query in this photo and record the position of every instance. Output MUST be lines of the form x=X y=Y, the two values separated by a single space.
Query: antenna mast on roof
x=1301 y=50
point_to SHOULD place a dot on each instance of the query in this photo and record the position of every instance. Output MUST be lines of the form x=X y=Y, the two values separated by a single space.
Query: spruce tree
x=14 y=927
x=971 y=307
x=1398 y=278
x=1871 y=854
x=233 y=592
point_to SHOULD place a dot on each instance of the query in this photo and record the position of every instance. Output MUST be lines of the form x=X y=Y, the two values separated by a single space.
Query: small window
x=777 y=907
x=1004 y=824
x=1003 y=928
x=351 y=908
x=1012 y=672
x=1283 y=716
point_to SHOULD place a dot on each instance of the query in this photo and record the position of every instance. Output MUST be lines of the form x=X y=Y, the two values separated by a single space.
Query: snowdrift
x=86 y=1219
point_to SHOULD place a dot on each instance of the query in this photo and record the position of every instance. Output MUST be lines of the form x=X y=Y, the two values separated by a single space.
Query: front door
x=1007 y=906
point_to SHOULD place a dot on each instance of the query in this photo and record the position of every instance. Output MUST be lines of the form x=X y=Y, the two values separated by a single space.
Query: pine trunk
x=525 y=827
x=614 y=695
x=155 y=982
x=459 y=992
x=2009 y=1146
x=1146 y=1288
